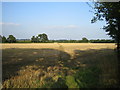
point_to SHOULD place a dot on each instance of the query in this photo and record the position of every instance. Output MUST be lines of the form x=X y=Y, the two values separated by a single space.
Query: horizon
x=60 y=38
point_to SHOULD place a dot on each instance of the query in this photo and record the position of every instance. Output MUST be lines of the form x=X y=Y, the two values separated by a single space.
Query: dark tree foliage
x=101 y=41
x=33 y=39
x=4 y=40
x=43 y=37
x=110 y=12
x=85 y=40
x=0 y=39
x=11 y=39
x=40 y=38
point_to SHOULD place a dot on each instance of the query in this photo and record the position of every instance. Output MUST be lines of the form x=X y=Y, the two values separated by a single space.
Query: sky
x=59 y=20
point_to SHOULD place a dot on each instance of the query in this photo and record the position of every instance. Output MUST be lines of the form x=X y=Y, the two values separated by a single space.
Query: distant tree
x=45 y=37
x=33 y=39
x=85 y=40
x=0 y=39
x=11 y=39
x=37 y=39
x=4 y=40
x=42 y=37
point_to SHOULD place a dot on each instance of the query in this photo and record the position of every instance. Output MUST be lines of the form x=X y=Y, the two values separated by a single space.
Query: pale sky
x=59 y=20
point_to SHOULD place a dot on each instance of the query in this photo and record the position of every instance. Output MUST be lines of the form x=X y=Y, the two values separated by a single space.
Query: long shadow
x=102 y=65
x=118 y=57
x=91 y=57
x=14 y=59
x=105 y=59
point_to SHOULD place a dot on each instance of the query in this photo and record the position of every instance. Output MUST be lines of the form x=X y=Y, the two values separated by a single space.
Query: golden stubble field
x=66 y=47
x=82 y=46
x=43 y=64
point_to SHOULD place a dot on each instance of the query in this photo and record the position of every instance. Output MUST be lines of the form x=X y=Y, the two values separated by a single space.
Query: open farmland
x=57 y=65
x=66 y=47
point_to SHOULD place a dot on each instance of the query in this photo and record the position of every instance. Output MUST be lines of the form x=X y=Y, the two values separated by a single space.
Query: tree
x=85 y=40
x=42 y=37
x=11 y=39
x=39 y=37
x=110 y=12
x=4 y=40
x=0 y=39
x=33 y=39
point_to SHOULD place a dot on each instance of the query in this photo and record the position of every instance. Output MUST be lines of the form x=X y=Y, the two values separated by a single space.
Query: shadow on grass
x=105 y=60
x=13 y=60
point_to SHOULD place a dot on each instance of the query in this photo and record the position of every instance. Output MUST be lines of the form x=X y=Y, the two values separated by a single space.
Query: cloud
x=62 y=27
x=9 y=24
x=72 y=26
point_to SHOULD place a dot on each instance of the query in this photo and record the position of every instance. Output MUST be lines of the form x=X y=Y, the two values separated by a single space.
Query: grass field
x=59 y=65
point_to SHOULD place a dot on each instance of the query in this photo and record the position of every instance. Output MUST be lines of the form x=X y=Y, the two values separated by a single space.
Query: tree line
x=10 y=39
x=43 y=38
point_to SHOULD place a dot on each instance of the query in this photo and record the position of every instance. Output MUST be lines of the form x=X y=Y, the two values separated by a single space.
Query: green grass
x=50 y=68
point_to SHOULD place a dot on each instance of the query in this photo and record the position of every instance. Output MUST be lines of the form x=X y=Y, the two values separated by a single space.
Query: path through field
x=42 y=65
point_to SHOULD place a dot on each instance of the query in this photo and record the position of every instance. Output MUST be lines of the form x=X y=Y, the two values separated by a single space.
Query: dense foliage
x=10 y=39
x=4 y=39
x=44 y=39
x=40 y=38
x=110 y=12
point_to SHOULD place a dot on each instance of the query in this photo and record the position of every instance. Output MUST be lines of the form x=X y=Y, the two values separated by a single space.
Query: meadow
x=59 y=65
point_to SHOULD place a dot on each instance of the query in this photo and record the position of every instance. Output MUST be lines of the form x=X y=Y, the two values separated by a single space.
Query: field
x=59 y=65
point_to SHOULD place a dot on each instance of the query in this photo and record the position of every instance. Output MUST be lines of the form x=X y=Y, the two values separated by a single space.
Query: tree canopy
x=110 y=12
x=84 y=39
x=0 y=38
x=11 y=39
x=40 y=38
x=4 y=39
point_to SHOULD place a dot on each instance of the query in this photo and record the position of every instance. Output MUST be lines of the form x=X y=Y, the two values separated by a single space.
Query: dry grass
x=66 y=47
x=56 y=45
x=38 y=65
